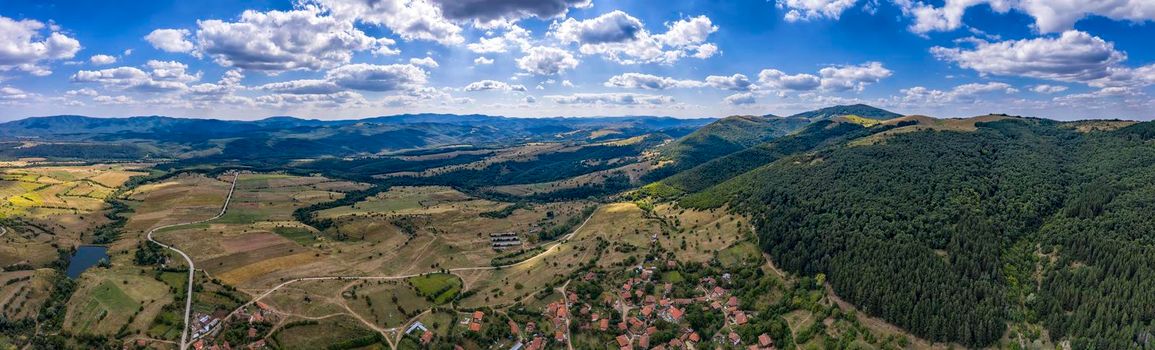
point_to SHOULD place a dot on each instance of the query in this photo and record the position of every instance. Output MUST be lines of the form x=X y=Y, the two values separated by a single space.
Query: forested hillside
x=723 y=137
x=818 y=134
x=860 y=110
x=956 y=236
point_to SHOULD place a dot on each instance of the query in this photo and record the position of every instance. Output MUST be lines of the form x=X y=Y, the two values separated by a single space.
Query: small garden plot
x=438 y=288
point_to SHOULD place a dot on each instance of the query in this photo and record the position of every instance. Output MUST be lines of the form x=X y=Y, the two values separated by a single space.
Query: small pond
x=86 y=256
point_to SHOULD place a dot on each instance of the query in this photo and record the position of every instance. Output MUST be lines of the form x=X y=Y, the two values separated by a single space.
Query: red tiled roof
x=623 y=340
x=765 y=341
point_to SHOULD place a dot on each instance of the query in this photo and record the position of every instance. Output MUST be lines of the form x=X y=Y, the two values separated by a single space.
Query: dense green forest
x=723 y=137
x=932 y=230
x=541 y=168
x=815 y=135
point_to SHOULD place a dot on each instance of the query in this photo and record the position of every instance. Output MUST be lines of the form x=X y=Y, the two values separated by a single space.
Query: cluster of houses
x=641 y=313
x=558 y=313
x=504 y=240
x=641 y=310
x=208 y=328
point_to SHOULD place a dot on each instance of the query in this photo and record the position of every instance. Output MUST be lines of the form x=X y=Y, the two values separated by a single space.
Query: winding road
x=187 y=259
x=3 y=231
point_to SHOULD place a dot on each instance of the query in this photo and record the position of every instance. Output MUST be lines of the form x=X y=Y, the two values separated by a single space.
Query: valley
x=849 y=227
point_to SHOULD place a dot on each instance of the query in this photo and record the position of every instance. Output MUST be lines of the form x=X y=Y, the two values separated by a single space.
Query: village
x=642 y=312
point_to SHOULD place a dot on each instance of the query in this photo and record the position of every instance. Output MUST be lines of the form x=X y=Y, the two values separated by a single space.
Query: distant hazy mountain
x=289 y=137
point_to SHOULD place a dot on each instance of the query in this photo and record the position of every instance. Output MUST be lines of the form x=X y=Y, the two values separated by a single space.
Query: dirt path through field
x=191 y=267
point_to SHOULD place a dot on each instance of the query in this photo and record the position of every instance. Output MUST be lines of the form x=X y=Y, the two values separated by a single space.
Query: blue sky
x=340 y=59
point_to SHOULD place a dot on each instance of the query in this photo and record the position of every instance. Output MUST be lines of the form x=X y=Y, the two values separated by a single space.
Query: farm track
x=453 y=271
x=188 y=260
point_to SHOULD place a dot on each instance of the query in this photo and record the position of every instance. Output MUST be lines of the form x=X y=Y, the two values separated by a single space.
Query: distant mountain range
x=288 y=137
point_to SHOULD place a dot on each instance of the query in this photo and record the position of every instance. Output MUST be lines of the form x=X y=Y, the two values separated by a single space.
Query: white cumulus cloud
x=1051 y=16
x=1074 y=56
x=25 y=47
x=101 y=60
x=744 y=98
x=409 y=19
x=486 y=85
x=621 y=99
x=170 y=40
x=649 y=82
x=278 y=41
x=547 y=61
x=736 y=82
x=805 y=10
x=621 y=38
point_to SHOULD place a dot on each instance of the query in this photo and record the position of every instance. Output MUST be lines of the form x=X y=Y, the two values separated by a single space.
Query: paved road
x=191 y=267
x=460 y=269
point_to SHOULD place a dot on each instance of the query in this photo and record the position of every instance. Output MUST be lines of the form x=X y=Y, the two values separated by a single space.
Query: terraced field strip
x=188 y=260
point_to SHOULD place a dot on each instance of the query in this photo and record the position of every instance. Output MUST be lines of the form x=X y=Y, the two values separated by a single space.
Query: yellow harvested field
x=279 y=265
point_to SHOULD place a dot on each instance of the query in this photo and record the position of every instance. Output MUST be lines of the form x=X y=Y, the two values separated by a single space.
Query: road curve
x=459 y=269
x=187 y=259
x=3 y=231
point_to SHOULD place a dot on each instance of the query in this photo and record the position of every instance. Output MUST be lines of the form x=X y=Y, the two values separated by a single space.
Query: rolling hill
x=860 y=110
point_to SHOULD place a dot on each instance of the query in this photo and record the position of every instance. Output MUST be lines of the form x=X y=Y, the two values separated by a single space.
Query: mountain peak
x=861 y=110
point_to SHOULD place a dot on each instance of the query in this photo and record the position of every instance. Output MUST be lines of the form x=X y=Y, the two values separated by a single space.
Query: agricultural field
x=23 y=292
x=182 y=198
x=417 y=229
x=65 y=201
x=614 y=233
x=248 y=246
x=109 y=301
x=320 y=334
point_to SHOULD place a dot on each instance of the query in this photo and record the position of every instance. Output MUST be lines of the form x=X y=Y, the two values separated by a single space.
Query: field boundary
x=453 y=271
x=191 y=266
